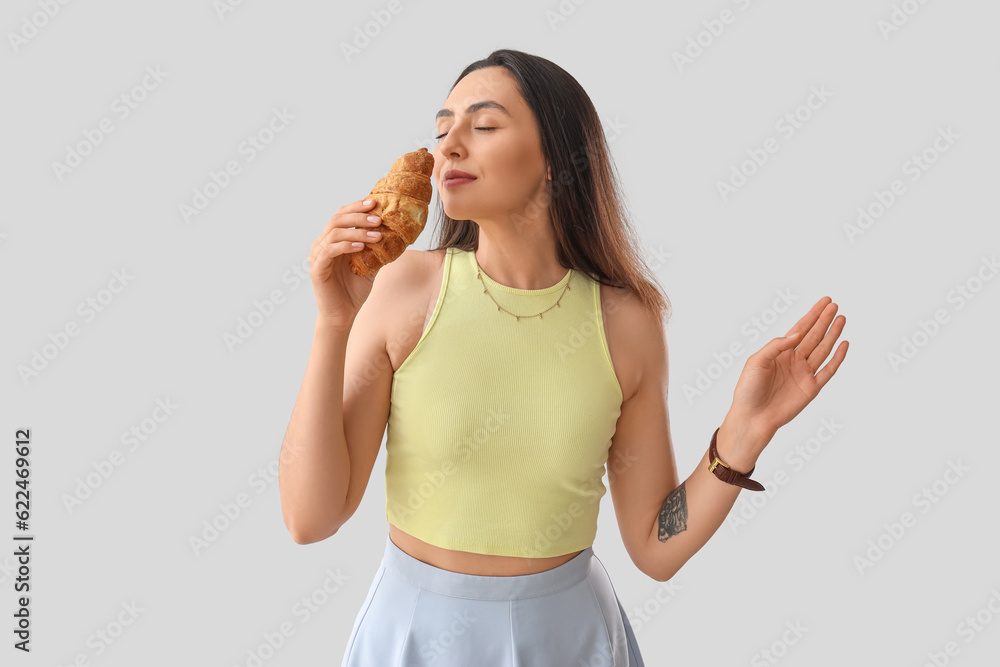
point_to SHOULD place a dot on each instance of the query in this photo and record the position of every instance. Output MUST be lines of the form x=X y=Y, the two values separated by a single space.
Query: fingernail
x=373 y=218
x=367 y=202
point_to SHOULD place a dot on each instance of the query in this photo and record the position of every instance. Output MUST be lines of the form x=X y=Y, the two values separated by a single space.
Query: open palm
x=780 y=379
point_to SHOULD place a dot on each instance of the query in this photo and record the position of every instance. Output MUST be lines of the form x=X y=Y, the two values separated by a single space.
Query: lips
x=455 y=177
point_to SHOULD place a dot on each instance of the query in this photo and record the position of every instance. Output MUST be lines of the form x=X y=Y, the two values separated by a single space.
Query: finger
x=838 y=357
x=338 y=234
x=778 y=345
x=818 y=355
x=347 y=219
x=357 y=206
x=354 y=214
x=815 y=335
x=359 y=232
x=342 y=238
x=817 y=330
x=807 y=320
x=330 y=251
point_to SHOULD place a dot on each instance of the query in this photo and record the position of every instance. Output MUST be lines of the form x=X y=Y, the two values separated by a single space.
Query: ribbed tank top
x=499 y=428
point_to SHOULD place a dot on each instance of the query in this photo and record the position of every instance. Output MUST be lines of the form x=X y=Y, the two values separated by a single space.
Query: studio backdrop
x=167 y=166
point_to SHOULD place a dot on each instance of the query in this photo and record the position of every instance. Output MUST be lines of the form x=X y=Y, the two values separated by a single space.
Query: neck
x=520 y=259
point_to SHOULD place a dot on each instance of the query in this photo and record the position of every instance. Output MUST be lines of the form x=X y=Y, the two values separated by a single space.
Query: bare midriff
x=467 y=562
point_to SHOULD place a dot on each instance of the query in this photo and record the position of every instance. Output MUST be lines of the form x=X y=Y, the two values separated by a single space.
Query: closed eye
x=438 y=137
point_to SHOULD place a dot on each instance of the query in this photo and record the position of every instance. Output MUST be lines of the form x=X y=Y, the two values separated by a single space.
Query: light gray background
x=675 y=133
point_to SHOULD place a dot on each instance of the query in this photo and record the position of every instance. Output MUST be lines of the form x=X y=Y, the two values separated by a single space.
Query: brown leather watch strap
x=727 y=474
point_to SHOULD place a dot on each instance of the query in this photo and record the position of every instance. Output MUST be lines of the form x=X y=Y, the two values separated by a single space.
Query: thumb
x=779 y=345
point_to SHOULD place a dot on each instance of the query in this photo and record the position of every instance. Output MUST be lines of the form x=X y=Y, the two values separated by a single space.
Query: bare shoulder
x=406 y=298
x=435 y=258
x=405 y=275
x=422 y=266
x=634 y=335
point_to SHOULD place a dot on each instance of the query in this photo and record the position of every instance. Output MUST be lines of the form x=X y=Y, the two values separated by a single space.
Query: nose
x=451 y=143
x=446 y=148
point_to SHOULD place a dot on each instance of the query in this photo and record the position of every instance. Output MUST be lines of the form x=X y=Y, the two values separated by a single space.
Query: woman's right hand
x=339 y=292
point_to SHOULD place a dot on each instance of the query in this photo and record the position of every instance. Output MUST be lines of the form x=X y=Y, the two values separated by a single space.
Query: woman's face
x=506 y=160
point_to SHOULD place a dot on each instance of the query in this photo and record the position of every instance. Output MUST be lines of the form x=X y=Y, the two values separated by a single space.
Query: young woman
x=514 y=364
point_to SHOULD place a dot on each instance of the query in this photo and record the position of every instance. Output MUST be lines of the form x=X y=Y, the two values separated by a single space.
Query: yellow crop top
x=499 y=428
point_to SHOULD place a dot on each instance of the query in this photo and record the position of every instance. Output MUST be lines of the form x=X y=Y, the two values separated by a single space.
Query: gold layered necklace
x=518 y=318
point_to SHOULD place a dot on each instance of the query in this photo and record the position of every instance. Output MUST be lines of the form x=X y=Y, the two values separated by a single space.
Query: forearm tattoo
x=673 y=514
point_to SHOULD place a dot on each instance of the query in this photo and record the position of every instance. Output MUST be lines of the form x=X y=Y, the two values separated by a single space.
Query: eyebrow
x=485 y=104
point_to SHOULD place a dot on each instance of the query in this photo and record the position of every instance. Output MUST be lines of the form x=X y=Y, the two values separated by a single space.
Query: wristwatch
x=727 y=474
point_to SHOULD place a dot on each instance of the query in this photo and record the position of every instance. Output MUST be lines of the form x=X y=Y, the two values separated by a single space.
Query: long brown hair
x=591 y=221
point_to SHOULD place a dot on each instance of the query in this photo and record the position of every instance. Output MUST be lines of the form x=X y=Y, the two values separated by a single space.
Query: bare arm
x=695 y=510
x=314 y=466
x=663 y=522
x=336 y=428
x=777 y=382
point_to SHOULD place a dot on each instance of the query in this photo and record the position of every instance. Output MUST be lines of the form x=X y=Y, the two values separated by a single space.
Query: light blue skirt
x=418 y=615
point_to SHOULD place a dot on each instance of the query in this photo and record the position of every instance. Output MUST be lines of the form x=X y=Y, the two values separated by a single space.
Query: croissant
x=401 y=199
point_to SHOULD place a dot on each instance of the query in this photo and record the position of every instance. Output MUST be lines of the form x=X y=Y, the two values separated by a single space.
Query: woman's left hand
x=780 y=379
